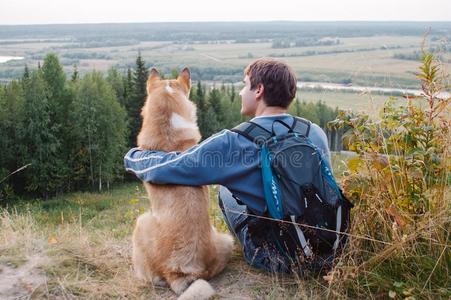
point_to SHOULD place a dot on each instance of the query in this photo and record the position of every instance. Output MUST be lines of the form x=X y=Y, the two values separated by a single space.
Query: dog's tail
x=199 y=289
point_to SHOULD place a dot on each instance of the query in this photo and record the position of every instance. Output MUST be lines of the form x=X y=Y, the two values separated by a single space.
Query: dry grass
x=400 y=183
x=79 y=247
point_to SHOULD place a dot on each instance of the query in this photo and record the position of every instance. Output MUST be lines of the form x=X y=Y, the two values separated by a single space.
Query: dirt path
x=22 y=281
x=238 y=281
x=242 y=282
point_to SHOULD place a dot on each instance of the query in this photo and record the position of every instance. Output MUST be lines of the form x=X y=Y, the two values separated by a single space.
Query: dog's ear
x=154 y=76
x=184 y=79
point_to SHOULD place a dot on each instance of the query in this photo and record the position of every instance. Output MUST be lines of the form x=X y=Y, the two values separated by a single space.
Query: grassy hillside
x=79 y=246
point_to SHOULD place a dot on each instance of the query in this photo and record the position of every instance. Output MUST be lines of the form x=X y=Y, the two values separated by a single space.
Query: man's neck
x=270 y=111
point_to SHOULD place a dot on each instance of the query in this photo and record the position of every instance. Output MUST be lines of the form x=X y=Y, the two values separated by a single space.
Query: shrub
x=399 y=183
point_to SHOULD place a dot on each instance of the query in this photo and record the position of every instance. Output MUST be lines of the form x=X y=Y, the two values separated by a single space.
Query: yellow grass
x=82 y=250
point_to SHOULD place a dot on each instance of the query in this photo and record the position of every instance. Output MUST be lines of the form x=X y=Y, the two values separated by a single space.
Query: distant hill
x=189 y=31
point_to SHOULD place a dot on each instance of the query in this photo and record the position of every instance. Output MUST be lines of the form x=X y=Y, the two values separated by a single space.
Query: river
x=4 y=59
x=345 y=87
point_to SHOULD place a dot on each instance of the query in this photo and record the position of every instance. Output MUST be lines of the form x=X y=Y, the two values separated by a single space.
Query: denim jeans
x=263 y=254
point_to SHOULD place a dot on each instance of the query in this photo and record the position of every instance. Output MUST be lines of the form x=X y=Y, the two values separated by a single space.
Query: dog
x=175 y=243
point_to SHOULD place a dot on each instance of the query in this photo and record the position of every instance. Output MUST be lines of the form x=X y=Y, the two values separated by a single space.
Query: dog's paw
x=198 y=290
x=180 y=284
x=158 y=281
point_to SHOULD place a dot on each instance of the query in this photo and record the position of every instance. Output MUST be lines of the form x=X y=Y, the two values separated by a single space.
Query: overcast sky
x=101 y=11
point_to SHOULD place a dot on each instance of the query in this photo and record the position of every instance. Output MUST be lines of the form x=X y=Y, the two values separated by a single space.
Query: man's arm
x=319 y=138
x=206 y=163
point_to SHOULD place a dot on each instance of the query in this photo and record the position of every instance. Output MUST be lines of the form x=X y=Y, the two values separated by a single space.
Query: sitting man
x=232 y=161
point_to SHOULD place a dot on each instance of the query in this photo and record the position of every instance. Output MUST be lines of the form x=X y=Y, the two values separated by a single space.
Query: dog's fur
x=175 y=243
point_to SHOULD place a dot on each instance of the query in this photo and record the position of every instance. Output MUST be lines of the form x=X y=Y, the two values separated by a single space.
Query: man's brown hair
x=278 y=79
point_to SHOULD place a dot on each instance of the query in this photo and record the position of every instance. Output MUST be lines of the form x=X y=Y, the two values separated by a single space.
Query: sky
x=110 y=11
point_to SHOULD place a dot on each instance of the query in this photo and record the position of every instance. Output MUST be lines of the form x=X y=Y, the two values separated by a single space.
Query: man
x=232 y=161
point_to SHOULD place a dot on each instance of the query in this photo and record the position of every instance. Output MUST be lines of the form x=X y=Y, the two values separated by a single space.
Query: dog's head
x=169 y=117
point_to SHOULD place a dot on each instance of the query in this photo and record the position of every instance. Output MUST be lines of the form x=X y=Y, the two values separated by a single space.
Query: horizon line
x=237 y=21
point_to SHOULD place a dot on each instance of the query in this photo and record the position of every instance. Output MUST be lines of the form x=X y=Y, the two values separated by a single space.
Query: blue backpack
x=308 y=209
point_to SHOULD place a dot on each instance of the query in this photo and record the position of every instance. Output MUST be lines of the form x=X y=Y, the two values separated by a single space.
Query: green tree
x=137 y=98
x=101 y=132
x=213 y=126
x=214 y=100
x=116 y=80
x=75 y=74
x=59 y=100
x=232 y=93
x=53 y=74
x=11 y=114
x=307 y=110
x=26 y=73
x=199 y=99
x=38 y=138
x=174 y=74
x=128 y=87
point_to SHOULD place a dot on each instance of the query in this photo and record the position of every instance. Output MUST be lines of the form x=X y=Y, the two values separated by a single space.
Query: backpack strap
x=257 y=134
x=253 y=132
x=301 y=126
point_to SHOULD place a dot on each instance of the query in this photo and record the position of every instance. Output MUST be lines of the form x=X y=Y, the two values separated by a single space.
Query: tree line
x=62 y=133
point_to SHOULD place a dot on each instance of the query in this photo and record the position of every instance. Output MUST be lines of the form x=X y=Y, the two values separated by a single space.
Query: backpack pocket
x=318 y=213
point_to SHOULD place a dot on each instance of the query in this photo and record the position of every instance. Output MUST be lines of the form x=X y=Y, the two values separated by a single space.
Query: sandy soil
x=22 y=281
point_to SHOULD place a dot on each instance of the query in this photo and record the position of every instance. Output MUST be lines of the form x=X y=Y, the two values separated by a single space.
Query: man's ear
x=259 y=91
x=184 y=79
x=154 y=76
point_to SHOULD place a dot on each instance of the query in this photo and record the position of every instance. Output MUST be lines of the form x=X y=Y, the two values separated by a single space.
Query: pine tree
x=53 y=74
x=200 y=97
x=214 y=99
x=115 y=79
x=11 y=116
x=26 y=73
x=38 y=139
x=297 y=107
x=128 y=86
x=137 y=98
x=232 y=94
x=213 y=126
x=75 y=74
x=59 y=101
x=322 y=113
x=201 y=104
x=174 y=74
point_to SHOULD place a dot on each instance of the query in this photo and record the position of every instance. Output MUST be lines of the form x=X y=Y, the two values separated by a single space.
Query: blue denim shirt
x=225 y=158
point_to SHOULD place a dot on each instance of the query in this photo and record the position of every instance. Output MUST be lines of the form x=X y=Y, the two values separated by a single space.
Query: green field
x=363 y=54
x=365 y=60
x=345 y=100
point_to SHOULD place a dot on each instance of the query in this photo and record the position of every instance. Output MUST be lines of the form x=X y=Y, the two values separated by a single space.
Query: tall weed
x=400 y=185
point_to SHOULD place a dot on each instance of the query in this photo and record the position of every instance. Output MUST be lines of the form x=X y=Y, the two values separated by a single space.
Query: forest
x=69 y=133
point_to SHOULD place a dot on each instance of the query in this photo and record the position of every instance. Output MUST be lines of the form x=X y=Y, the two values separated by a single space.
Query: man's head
x=270 y=80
